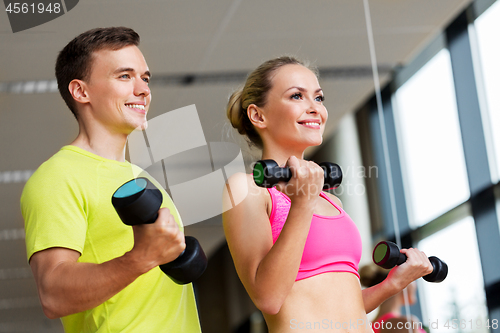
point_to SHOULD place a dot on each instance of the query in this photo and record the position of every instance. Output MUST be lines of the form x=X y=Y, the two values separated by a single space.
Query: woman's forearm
x=374 y=296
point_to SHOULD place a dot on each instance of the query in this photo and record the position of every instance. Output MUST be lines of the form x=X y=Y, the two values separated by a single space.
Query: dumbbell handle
x=384 y=257
x=152 y=219
x=267 y=173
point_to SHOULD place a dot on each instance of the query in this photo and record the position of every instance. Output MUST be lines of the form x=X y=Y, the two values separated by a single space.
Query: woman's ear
x=256 y=116
x=77 y=89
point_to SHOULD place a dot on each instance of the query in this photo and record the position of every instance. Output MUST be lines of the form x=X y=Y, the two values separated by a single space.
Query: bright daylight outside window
x=487 y=28
x=431 y=149
x=458 y=304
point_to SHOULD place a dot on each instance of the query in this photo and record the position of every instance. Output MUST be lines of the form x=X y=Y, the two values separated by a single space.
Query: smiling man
x=91 y=270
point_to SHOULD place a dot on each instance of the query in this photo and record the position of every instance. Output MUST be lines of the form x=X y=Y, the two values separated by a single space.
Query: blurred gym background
x=439 y=69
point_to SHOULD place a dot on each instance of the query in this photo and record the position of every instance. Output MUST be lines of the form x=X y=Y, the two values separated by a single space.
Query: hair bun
x=235 y=112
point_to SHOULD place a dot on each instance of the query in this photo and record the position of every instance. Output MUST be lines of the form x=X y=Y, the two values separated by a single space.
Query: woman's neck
x=281 y=155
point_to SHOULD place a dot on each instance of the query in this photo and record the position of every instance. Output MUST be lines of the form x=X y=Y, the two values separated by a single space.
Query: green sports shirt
x=67 y=203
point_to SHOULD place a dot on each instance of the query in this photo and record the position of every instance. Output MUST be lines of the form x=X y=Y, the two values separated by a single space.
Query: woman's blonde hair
x=255 y=91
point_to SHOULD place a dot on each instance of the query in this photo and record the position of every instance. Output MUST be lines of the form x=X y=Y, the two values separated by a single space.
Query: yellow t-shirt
x=67 y=203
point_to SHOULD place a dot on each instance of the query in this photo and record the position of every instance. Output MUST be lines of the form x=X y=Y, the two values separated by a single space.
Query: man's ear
x=256 y=116
x=78 y=89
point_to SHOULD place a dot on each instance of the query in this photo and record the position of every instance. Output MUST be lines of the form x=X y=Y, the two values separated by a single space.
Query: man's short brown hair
x=75 y=59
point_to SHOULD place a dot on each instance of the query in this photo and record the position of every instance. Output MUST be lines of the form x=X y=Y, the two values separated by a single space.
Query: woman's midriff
x=329 y=302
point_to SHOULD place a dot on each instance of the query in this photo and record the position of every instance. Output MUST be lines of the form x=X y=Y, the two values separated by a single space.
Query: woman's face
x=294 y=112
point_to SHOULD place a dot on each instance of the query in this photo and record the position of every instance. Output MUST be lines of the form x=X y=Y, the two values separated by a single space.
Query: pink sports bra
x=333 y=243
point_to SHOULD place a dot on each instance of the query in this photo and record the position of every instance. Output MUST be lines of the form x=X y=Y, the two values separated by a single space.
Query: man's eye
x=146 y=79
x=125 y=76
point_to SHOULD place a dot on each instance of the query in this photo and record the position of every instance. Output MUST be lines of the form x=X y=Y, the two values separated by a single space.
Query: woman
x=301 y=274
x=389 y=317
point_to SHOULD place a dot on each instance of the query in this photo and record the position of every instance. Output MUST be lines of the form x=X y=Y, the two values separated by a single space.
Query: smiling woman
x=295 y=249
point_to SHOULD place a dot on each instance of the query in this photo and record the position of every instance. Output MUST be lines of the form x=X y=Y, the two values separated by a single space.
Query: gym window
x=441 y=126
x=487 y=28
x=461 y=296
x=430 y=147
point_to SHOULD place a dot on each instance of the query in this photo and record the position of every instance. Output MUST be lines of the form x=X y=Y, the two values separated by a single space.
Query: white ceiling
x=187 y=38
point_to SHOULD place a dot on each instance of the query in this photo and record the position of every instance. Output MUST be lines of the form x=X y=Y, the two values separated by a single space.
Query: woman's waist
x=319 y=320
x=329 y=302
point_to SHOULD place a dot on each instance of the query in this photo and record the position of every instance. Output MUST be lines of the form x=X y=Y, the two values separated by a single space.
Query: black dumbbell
x=387 y=255
x=137 y=202
x=267 y=173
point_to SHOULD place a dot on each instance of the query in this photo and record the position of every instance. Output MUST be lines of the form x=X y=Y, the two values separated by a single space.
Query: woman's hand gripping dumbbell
x=137 y=202
x=267 y=173
x=387 y=255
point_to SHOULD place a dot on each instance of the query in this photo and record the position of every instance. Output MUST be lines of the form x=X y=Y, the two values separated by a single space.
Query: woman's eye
x=320 y=98
x=297 y=96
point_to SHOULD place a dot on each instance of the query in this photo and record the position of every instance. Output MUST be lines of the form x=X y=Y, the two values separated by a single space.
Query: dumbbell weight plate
x=387 y=255
x=189 y=266
x=137 y=201
x=439 y=270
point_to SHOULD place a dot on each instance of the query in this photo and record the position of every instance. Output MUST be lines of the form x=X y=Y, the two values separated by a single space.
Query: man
x=96 y=273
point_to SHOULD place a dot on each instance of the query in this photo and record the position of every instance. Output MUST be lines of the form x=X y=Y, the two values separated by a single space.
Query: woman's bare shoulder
x=334 y=199
x=240 y=190
x=239 y=178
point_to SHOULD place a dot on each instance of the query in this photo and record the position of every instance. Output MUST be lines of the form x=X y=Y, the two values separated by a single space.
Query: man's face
x=118 y=89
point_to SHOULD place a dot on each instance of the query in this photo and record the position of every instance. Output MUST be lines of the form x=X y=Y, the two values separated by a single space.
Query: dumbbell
x=137 y=202
x=387 y=255
x=267 y=173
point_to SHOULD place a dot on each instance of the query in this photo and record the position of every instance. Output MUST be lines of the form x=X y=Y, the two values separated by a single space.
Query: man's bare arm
x=66 y=286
